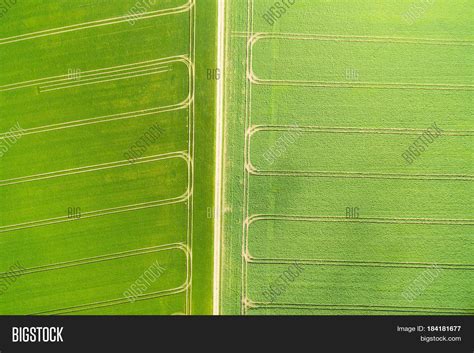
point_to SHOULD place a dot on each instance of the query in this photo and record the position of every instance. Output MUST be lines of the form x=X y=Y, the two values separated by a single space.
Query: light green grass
x=94 y=144
x=345 y=242
x=377 y=152
x=342 y=285
x=72 y=154
x=93 y=283
x=131 y=184
x=377 y=62
x=395 y=198
x=342 y=107
x=130 y=230
x=338 y=91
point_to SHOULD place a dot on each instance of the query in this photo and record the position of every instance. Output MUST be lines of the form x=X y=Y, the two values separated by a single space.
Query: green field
x=88 y=81
x=346 y=179
x=321 y=103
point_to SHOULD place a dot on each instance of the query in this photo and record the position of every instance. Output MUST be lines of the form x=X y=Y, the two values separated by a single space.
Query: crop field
x=106 y=156
x=345 y=183
x=348 y=180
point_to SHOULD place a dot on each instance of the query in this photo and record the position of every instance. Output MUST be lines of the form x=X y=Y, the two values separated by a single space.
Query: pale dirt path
x=218 y=157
